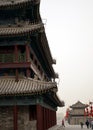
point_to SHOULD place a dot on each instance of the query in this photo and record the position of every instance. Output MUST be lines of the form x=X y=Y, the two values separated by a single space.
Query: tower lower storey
x=26 y=117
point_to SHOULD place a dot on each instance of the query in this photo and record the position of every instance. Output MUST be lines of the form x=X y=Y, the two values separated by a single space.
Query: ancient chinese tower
x=28 y=98
x=76 y=115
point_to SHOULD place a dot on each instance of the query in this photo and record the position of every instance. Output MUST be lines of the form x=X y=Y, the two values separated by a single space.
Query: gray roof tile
x=8 y=86
x=24 y=29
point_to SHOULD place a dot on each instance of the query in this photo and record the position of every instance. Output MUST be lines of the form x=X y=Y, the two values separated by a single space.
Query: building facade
x=28 y=91
x=77 y=113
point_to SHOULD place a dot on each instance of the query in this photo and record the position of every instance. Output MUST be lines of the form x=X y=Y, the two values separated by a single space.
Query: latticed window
x=6 y=58
x=21 y=57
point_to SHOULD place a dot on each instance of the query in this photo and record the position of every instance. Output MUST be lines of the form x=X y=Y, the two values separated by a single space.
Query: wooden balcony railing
x=10 y=58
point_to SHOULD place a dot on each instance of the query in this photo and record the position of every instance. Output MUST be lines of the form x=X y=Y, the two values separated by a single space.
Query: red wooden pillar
x=16 y=60
x=16 y=75
x=44 y=119
x=27 y=53
x=15 y=117
x=55 y=118
x=52 y=117
x=39 y=117
x=47 y=118
x=16 y=53
x=28 y=72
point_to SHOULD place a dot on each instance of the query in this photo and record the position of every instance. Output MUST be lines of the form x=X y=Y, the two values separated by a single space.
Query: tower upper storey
x=19 y=11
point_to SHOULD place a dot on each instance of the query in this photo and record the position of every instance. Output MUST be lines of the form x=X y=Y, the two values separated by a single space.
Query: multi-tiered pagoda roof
x=27 y=76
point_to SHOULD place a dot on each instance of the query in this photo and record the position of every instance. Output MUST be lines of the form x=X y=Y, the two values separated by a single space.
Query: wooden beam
x=15 y=65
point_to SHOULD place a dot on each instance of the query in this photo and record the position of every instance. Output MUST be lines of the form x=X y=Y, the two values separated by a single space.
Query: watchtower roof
x=78 y=104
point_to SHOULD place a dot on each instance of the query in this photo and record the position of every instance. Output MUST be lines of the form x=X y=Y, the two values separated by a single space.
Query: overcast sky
x=69 y=30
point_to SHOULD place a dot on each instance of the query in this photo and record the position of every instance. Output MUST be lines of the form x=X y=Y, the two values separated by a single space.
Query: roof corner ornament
x=56 y=75
x=54 y=61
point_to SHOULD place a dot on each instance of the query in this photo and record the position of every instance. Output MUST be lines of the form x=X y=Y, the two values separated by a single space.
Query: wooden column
x=16 y=53
x=55 y=118
x=39 y=117
x=44 y=119
x=47 y=117
x=52 y=117
x=15 y=117
x=27 y=53
x=16 y=75
x=28 y=72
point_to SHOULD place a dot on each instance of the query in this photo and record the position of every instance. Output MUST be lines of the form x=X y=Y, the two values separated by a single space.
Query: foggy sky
x=69 y=30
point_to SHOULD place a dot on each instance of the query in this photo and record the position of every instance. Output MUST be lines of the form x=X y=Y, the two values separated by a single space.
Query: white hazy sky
x=69 y=30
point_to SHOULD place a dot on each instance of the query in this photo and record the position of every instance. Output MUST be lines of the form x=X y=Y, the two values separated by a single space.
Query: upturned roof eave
x=20 y=29
x=79 y=104
x=48 y=54
x=25 y=86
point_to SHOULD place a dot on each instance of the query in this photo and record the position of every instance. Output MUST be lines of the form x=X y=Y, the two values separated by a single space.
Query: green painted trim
x=12 y=43
x=17 y=101
x=50 y=105
x=26 y=100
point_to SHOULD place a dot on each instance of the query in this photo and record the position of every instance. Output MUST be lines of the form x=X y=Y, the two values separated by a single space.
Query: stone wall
x=23 y=119
x=78 y=111
x=30 y=125
x=77 y=120
x=6 y=119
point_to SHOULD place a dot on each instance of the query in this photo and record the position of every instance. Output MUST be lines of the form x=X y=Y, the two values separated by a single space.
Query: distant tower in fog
x=76 y=115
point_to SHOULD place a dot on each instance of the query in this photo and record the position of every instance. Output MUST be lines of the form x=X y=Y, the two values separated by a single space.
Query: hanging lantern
x=87 y=111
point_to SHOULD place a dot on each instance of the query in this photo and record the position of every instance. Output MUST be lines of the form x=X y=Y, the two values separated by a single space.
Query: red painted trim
x=15 y=65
